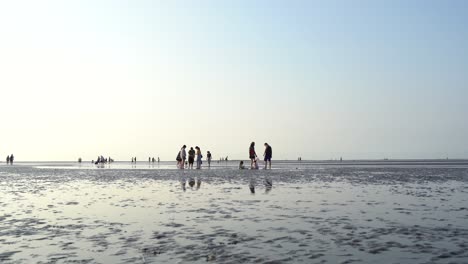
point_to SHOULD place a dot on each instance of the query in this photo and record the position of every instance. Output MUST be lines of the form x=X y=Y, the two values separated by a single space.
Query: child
x=241 y=165
x=255 y=164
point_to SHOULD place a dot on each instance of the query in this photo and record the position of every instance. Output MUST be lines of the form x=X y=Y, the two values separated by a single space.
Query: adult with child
x=181 y=156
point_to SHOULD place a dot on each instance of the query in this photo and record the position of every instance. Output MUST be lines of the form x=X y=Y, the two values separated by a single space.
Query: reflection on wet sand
x=268 y=185
x=191 y=182
x=252 y=186
x=321 y=215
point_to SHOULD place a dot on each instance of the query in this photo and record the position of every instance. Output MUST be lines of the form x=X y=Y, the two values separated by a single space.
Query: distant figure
x=12 y=158
x=252 y=154
x=149 y=159
x=226 y=158
x=79 y=160
x=181 y=157
x=208 y=158
x=241 y=165
x=152 y=160
x=341 y=159
x=92 y=161
x=8 y=159
x=267 y=155
x=199 y=157
x=158 y=159
x=132 y=159
x=191 y=157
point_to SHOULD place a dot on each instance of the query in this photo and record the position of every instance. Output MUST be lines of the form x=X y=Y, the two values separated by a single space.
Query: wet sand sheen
x=304 y=215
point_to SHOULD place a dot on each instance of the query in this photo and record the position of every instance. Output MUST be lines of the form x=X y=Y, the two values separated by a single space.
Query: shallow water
x=296 y=213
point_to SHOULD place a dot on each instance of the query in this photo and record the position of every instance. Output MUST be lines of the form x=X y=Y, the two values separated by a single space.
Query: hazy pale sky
x=317 y=79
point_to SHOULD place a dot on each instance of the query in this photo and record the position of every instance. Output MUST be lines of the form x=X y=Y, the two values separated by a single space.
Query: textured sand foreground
x=297 y=214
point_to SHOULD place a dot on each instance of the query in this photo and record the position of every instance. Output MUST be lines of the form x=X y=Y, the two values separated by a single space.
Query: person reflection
x=191 y=182
x=182 y=184
x=252 y=186
x=268 y=185
x=198 y=183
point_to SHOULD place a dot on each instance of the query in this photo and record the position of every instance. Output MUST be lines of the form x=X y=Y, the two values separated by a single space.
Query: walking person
x=208 y=158
x=267 y=155
x=252 y=154
x=199 y=157
x=191 y=157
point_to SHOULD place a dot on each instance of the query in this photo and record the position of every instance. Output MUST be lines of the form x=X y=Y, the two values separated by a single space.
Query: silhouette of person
x=267 y=155
x=191 y=157
x=199 y=157
x=208 y=158
x=252 y=154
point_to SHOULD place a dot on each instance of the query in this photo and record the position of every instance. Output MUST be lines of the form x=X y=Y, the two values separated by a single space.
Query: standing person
x=183 y=156
x=208 y=158
x=252 y=154
x=8 y=159
x=158 y=159
x=267 y=155
x=12 y=158
x=199 y=157
x=191 y=157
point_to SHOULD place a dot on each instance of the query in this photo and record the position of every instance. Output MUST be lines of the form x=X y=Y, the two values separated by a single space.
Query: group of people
x=193 y=155
x=102 y=160
x=267 y=155
x=10 y=159
x=152 y=160
x=186 y=161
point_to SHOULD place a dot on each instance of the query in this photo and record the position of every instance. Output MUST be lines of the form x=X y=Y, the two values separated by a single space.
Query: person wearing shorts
x=267 y=155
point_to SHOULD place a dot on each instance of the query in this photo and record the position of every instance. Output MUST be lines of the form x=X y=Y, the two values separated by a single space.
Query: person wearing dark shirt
x=267 y=155
x=208 y=158
x=191 y=157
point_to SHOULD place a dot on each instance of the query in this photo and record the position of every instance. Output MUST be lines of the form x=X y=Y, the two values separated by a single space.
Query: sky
x=315 y=79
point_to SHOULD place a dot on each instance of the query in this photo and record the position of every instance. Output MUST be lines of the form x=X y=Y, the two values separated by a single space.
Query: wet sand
x=297 y=213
